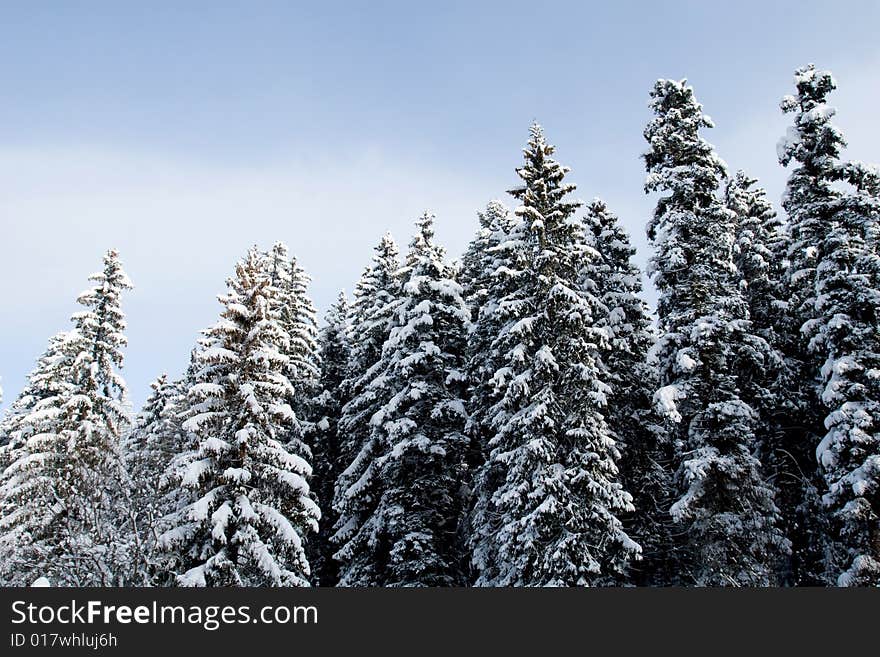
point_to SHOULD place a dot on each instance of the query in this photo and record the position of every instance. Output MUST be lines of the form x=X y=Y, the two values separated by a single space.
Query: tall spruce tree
x=377 y=296
x=45 y=381
x=548 y=498
x=771 y=387
x=483 y=286
x=834 y=279
x=616 y=281
x=725 y=509
x=297 y=316
x=413 y=537
x=250 y=507
x=815 y=144
x=156 y=438
x=63 y=490
x=477 y=264
x=335 y=349
x=28 y=416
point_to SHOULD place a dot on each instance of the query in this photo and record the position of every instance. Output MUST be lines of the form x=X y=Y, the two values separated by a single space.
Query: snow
x=684 y=362
x=665 y=399
x=787 y=143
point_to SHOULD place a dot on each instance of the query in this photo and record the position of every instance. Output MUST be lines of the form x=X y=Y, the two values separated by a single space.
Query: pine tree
x=725 y=509
x=63 y=490
x=478 y=262
x=44 y=382
x=250 y=506
x=483 y=287
x=26 y=417
x=548 y=497
x=377 y=296
x=298 y=319
x=335 y=350
x=155 y=440
x=815 y=144
x=760 y=254
x=834 y=279
x=302 y=326
x=413 y=538
x=616 y=281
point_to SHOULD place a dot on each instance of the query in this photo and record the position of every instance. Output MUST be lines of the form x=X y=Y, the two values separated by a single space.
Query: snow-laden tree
x=814 y=144
x=156 y=438
x=63 y=492
x=725 y=511
x=335 y=349
x=24 y=419
x=548 y=499
x=413 y=537
x=771 y=387
x=298 y=319
x=249 y=505
x=759 y=253
x=376 y=298
x=45 y=381
x=482 y=288
x=611 y=275
x=834 y=212
x=478 y=263
x=376 y=295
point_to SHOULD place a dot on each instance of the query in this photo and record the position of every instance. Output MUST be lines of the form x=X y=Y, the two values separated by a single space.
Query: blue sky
x=183 y=134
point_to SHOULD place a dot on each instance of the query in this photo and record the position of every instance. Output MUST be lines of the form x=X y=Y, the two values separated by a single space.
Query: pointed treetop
x=337 y=313
x=678 y=95
x=543 y=193
x=812 y=140
x=160 y=382
x=100 y=328
x=425 y=224
x=280 y=250
x=676 y=145
x=386 y=249
x=495 y=210
x=112 y=279
x=812 y=88
x=423 y=244
x=113 y=271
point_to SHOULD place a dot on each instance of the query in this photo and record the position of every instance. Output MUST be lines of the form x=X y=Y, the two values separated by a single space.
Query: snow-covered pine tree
x=44 y=382
x=63 y=492
x=478 y=262
x=250 y=506
x=482 y=291
x=611 y=275
x=376 y=298
x=814 y=143
x=490 y=273
x=335 y=350
x=760 y=254
x=725 y=511
x=548 y=499
x=834 y=212
x=298 y=319
x=156 y=438
x=413 y=536
x=26 y=417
